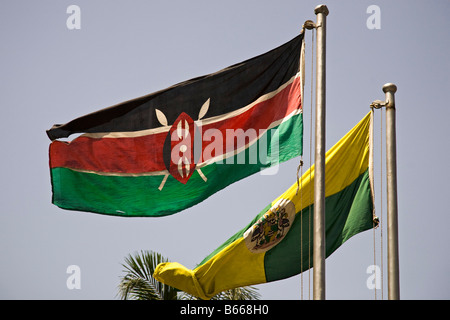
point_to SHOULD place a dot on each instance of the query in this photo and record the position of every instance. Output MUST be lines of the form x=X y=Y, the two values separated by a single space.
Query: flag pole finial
x=389 y=87
x=321 y=8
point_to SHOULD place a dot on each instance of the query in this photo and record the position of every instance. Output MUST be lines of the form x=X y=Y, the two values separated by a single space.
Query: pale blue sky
x=126 y=49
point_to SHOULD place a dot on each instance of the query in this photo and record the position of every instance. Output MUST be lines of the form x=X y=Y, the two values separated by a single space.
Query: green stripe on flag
x=347 y=213
x=138 y=196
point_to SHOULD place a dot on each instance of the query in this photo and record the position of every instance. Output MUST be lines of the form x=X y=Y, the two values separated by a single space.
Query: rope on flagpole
x=309 y=25
x=310 y=163
x=378 y=104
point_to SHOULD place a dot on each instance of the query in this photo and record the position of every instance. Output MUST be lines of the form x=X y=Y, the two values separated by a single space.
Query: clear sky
x=125 y=49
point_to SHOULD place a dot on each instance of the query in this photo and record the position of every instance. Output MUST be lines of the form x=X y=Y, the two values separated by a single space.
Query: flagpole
x=391 y=187
x=319 y=172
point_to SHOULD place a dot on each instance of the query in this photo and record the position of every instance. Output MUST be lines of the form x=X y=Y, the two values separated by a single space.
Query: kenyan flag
x=164 y=152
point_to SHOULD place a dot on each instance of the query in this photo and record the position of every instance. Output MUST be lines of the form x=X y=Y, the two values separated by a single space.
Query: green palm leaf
x=139 y=284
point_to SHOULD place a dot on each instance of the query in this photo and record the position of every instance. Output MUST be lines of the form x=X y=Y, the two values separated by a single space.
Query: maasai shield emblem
x=182 y=147
x=179 y=145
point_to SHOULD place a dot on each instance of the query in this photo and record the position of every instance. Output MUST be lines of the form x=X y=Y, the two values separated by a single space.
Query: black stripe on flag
x=228 y=89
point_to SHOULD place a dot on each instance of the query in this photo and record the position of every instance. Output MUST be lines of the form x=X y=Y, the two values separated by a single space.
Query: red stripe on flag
x=144 y=154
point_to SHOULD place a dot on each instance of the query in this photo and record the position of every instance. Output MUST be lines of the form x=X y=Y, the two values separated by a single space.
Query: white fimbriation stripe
x=263 y=98
x=123 y=174
x=243 y=148
x=202 y=164
x=206 y=121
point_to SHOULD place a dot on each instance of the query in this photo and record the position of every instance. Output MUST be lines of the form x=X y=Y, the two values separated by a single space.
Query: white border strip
x=199 y=165
x=140 y=133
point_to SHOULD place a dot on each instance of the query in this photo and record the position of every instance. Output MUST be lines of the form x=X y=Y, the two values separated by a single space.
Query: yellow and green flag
x=276 y=245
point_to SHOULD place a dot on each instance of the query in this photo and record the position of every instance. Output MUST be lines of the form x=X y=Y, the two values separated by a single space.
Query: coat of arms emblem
x=271 y=228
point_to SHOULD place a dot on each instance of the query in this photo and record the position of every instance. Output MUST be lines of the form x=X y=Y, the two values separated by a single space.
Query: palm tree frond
x=137 y=289
x=139 y=284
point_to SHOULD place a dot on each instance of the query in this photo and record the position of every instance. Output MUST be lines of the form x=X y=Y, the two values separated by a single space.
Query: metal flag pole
x=319 y=172
x=391 y=187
